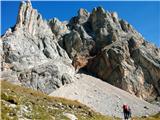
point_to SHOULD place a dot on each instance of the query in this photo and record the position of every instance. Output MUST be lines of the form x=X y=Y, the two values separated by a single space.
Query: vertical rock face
x=78 y=41
x=115 y=52
x=99 y=41
x=58 y=28
x=31 y=21
x=136 y=74
x=31 y=54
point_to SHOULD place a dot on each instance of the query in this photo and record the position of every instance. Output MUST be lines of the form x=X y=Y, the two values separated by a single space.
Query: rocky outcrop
x=31 y=55
x=38 y=53
x=78 y=41
x=79 y=62
x=47 y=77
x=118 y=54
x=31 y=21
x=58 y=28
x=115 y=66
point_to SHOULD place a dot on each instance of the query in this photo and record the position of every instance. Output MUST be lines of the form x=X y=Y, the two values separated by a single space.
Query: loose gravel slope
x=103 y=97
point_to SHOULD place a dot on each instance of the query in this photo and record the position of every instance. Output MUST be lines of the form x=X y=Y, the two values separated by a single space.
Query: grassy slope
x=154 y=117
x=22 y=102
x=19 y=102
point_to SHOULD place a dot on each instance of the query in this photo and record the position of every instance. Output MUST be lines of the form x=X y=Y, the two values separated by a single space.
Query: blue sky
x=144 y=16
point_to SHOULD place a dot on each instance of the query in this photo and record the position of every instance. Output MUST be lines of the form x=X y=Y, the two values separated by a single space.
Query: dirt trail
x=103 y=97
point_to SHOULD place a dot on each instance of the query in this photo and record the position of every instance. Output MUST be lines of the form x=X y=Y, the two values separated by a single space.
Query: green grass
x=154 y=117
x=39 y=106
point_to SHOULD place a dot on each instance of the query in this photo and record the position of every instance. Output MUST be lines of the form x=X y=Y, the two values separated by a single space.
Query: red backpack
x=125 y=107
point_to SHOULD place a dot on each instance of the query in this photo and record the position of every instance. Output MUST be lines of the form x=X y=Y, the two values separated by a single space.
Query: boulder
x=70 y=116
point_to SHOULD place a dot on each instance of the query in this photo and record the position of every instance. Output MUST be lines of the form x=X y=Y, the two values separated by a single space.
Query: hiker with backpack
x=126 y=112
x=129 y=112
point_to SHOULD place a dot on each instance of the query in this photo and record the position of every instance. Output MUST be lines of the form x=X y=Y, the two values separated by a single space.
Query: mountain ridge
x=45 y=55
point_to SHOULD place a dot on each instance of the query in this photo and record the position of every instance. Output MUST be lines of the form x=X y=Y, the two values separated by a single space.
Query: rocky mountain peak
x=99 y=10
x=114 y=15
x=41 y=54
x=83 y=15
x=30 y=20
x=114 y=51
x=31 y=55
x=83 y=12
x=58 y=28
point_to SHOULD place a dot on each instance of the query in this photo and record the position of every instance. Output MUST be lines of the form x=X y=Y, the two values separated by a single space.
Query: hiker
x=125 y=111
x=129 y=112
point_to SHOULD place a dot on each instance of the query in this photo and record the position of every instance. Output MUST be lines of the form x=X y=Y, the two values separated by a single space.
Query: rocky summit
x=115 y=52
x=46 y=54
x=31 y=55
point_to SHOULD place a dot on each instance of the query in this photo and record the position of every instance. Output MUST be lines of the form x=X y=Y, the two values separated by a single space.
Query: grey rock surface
x=47 y=77
x=58 y=28
x=115 y=52
x=103 y=97
x=31 y=54
x=39 y=54
x=115 y=66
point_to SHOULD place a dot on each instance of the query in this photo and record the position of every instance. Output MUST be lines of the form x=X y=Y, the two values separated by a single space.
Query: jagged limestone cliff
x=31 y=55
x=38 y=53
x=115 y=52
